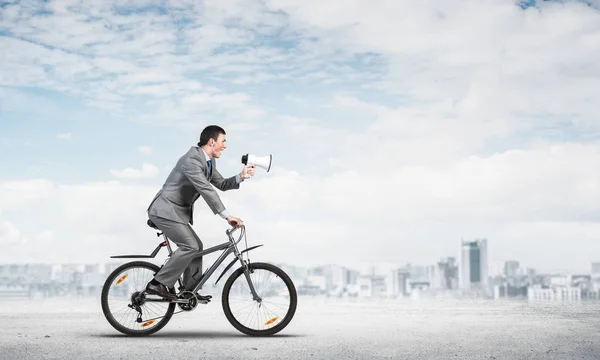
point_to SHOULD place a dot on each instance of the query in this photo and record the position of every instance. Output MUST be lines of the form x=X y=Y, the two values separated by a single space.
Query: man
x=172 y=208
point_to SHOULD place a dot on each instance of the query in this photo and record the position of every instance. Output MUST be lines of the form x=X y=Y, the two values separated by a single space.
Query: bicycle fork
x=246 y=267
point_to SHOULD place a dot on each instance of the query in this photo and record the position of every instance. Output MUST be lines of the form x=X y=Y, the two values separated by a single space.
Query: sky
x=397 y=128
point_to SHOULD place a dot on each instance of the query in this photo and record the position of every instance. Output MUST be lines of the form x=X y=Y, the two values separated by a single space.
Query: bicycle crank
x=187 y=301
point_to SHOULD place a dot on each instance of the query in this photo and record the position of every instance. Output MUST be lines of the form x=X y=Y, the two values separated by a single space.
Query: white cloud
x=408 y=125
x=145 y=149
x=10 y=235
x=144 y=59
x=490 y=59
x=102 y=218
x=22 y=247
x=147 y=171
x=521 y=200
x=543 y=197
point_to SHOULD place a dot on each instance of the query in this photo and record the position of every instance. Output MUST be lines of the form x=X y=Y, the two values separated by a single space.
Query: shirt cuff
x=238 y=178
x=224 y=214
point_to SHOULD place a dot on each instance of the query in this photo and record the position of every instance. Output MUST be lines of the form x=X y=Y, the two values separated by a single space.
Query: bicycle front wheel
x=123 y=302
x=276 y=307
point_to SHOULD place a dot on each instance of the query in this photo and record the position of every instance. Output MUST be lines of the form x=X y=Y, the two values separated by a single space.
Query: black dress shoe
x=160 y=290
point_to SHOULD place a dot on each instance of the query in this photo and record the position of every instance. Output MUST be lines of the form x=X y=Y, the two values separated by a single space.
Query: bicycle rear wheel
x=276 y=308
x=121 y=293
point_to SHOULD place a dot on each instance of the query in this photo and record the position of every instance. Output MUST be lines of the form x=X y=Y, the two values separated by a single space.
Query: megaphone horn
x=260 y=161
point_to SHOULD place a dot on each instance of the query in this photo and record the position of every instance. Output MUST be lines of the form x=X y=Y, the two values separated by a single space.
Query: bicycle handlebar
x=233 y=228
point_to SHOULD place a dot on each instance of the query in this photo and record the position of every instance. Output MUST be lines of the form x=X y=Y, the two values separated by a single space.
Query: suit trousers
x=184 y=259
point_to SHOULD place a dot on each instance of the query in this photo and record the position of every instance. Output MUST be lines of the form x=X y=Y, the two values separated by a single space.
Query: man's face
x=219 y=145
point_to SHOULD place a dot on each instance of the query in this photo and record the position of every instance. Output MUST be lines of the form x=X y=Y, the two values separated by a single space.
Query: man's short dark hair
x=210 y=132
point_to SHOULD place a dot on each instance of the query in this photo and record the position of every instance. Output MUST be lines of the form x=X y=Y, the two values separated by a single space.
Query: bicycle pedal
x=203 y=301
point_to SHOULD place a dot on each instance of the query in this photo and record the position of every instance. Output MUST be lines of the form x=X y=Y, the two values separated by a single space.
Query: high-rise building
x=596 y=273
x=446 y=274
x=511 y=268
x=474 y=264
x=400 y=282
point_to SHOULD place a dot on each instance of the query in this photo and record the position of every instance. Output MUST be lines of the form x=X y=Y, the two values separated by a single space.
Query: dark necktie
x=209 y=166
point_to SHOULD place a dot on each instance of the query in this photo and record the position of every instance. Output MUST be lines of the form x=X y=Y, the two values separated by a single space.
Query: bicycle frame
x=228 y=247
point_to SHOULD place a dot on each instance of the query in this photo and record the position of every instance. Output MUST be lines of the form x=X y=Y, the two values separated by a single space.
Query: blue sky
x=400 y=127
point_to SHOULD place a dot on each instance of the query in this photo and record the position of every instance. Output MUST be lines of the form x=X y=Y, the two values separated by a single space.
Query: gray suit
x=172 y=209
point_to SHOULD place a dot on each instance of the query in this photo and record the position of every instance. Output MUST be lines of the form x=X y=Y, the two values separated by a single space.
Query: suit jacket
x=189 y=180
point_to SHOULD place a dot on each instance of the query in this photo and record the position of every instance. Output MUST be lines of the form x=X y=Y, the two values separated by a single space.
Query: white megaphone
x=260 y=161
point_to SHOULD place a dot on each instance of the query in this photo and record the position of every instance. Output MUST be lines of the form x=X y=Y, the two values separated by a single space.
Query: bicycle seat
x=151 y=224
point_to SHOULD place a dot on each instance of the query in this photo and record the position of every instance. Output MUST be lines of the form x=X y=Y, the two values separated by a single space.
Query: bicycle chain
x=177 y=312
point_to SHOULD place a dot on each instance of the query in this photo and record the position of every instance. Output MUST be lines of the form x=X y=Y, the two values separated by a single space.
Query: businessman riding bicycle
x=195 y=174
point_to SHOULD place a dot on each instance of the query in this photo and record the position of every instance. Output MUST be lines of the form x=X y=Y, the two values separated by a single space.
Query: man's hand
x=233 y=221
x=247 y=171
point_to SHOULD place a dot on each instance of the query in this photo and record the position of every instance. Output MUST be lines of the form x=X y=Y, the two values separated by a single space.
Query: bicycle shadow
x=196 y=334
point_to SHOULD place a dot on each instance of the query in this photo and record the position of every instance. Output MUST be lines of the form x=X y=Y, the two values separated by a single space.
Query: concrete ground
x=322 y=329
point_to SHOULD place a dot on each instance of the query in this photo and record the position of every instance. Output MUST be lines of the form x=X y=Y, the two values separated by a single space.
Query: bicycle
x=142 y=305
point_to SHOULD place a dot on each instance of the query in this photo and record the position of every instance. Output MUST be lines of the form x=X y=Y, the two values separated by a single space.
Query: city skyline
x=446 y=279
x=468 y=275
x=493 y=263
x=493 y=266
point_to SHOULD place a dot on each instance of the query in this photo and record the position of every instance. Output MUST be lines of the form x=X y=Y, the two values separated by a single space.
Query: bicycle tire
x=108 y=315
x=288 y=316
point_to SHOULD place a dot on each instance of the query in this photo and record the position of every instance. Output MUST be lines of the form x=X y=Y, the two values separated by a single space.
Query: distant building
x=555 y=293
x=511 y=269
x=400 y=283
x=506 y=290
x=596 y=270
x=445 y=274
x=474 y=265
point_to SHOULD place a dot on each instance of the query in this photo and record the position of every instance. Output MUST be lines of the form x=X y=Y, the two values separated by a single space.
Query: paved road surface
x=322 y=329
